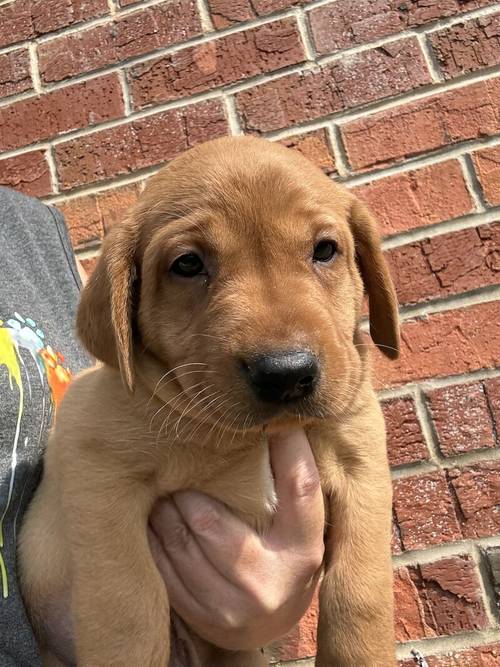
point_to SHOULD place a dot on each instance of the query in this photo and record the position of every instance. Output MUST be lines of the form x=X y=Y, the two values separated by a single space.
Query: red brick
x=28 y=173
x=425 y=511
x=468 y=46
x=90 y=216
x=15 y=74
x=405 y=442
x=217 y=63
x=228 y=12
x=418 y=198
x=356 y=80
x=132 y=35
x=346 y=23
x=447 y=343
x=462 y=418
x=396 y=546
x=439 y=598
x=465 y=113
x=447 y=264
x=478 y=656
x=477 y=489
x=487 y=163
x=138 y=144
x=89 y=265
x=492 y=390
x=25 y=19
x=300 y=642
x=27 y=121
x=314 y=146
x=409 y=616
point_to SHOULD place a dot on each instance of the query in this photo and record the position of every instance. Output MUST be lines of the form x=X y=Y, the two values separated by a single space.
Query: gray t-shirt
x=39 y=286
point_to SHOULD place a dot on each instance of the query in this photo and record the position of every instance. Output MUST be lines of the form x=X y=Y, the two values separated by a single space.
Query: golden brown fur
x=170 y=408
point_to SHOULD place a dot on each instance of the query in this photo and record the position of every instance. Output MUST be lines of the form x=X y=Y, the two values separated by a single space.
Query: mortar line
x=436 y=552
x=339 y=153
x=472 y=182
x=423 y=467
x=127 y=101
x=112 y=8
x=52 y=169
x=469 y=221
x=307 y=40
x=452 y=302
x=430 y=58
x=205 y=16
x=427 y=426
x=427 y=384
x=34 y=69
x=451 y=643
x=232 y=115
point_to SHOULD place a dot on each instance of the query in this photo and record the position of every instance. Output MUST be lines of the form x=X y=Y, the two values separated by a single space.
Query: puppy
x=227 y=303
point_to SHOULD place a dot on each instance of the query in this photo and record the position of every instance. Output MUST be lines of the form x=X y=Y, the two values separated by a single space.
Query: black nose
x=283 y=376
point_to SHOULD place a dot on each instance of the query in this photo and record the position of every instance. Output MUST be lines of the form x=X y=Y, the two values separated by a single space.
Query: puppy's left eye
x=324 y=251
x=188 y=265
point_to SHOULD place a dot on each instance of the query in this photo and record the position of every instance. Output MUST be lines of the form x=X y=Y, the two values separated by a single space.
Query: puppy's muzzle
x=282 y=377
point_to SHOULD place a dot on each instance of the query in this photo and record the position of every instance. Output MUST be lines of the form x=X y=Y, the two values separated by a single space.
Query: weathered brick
x=487 y=164
x=465 y=113
x=396 y=546
x=478 y=656
x=461 y=418
x=346 y=23
x=138 y=144
x=217 y=63
x=90 y=216
x=439 y=598
x=447 y=264
x=493 y=558
x=88 y=265
x=28 y=172
x=477 y=489
x=314 y=146
x=131 y=35
x=468 y=46
x=15 y=74
x=492 y=390
x=418 y=198
x=356 y=80
x=228 y=12
x=405 y=441
x=409 y=616
x=300 y=642
x=27 y=121
x=447 y=343
x=425 y=511
x=25 y=19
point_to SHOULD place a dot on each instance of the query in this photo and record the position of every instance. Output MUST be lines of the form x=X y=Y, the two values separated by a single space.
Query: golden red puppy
x=226 y=305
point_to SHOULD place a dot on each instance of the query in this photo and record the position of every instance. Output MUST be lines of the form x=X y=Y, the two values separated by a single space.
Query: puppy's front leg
x=119 y=601
x=356 y=596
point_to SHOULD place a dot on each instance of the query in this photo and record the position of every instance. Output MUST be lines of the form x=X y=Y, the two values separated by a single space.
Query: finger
x=179 y=596
x=231 y=545
x=301 y=514
x=184 y=554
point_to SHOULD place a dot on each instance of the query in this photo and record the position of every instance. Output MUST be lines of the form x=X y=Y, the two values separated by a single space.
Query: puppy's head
x=241 y=270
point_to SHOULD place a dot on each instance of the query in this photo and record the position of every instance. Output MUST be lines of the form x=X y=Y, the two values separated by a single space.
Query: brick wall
x=399 y=100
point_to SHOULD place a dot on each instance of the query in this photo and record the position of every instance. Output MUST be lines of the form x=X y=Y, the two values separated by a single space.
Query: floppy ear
x=104 y=318
x=382 y=299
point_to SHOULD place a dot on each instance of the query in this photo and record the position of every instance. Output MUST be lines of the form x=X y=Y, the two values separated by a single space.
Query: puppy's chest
x=243 y=480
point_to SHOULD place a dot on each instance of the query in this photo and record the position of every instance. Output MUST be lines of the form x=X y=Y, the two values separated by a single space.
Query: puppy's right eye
x=188 y=265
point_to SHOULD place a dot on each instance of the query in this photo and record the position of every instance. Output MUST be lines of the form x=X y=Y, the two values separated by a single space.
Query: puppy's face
x=248 y=289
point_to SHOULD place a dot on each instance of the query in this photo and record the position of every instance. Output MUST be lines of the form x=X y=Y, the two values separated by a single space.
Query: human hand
x=235 y=588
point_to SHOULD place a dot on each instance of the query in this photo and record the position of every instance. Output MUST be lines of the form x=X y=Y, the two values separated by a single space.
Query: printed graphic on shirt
x=21 y=336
